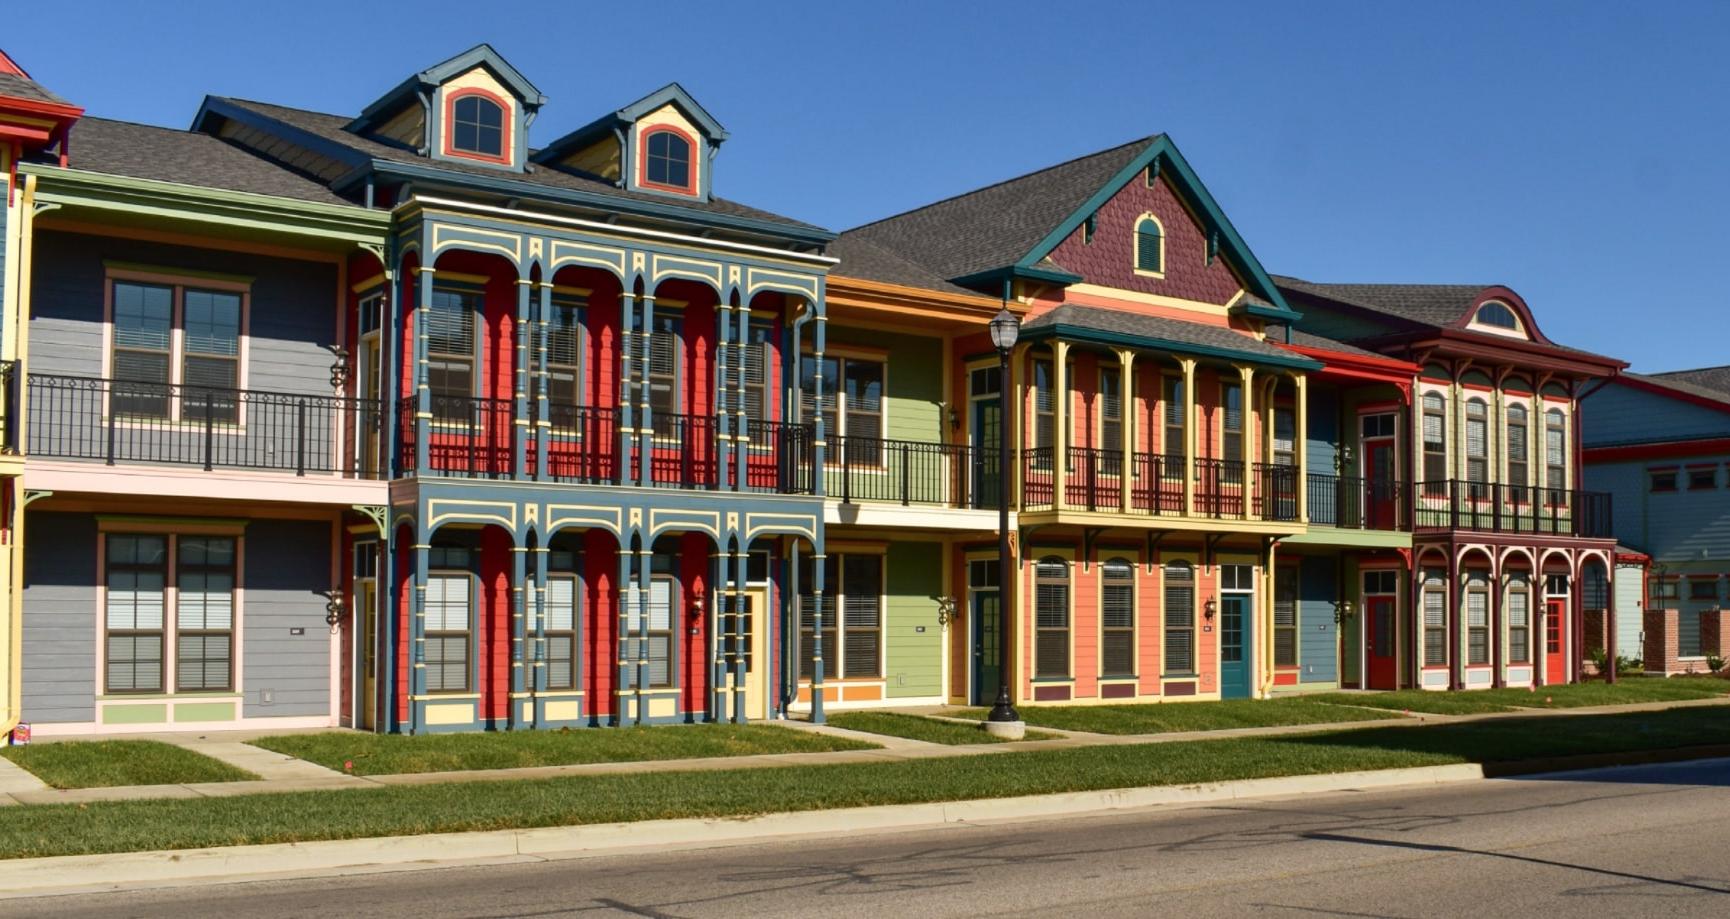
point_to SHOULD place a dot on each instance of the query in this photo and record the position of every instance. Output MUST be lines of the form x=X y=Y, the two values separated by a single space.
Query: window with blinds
x=660 y=630
x=1117 y=618
x=1044 y=414
x=204 y=614
x=450 y=344
x=1176 y=443
x=1284 y=437
x=1435 y=443
x=1477 y=444
x=1477 y=621
x=136 y=591
x=1519 y=450
x=564 y=360
x=1285 y=617
x=1555 y=452
x=756 y=373
x=852 y=404
x=210 y=354
x=1231 y=428
x=560 y=609
x=1111 y=415
x=662 y=371
x=1519 y=621
x=1149 y=246
x=828 y=372
x=852 y=642
x=1051 y=619
x=1435 y=620
x=448 y=613
x=1179 y=618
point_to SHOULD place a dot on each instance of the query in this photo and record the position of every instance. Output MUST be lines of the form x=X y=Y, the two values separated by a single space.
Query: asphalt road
x=1633 y=842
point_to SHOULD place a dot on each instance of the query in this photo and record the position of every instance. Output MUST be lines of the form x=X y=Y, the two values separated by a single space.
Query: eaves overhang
x=1070 y=332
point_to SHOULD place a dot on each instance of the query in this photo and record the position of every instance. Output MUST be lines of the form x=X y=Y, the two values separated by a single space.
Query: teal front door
x=987 y=652
x=1234 y=643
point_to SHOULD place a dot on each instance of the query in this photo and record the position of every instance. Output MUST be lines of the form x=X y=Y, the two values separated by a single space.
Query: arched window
x=1179 y=618
x=1519 y=619
x=1497 y=315
x=1477 y=618
x=478 y=126
x=1435 y=619
x=1149 y=246
x=1519 y=450
x=1117 y=618
x=1477 y=443
x=1051 y=618
x=1435 y=443
x=1555 y=452
x=669 y=160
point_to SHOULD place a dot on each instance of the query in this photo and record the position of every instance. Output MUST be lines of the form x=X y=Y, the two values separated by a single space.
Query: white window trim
x=1135 y=231
x=179 y=282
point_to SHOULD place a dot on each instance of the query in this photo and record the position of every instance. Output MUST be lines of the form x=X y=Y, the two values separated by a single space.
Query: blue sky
x=1574 y=151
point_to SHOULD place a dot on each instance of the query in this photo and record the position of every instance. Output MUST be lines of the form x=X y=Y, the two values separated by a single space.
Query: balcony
x=473 y=438
x=1093 y=482
x=1452 y=504
x=909 y=472
x=1350 y=503
x=115 y=421
x=9 y=392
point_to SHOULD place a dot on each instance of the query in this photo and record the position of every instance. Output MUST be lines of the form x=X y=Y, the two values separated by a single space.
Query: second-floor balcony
x=1222 y=489
x=1353 y=503
x=1455 y=504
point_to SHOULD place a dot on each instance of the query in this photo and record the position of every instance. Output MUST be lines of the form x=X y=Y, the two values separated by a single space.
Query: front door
x=371 y=393
x=1234 y=643
x=985 y=395
x=987 y=652
x=1379 y=461
x=756 y=688
x=1381 y=672
x=366 y=604
x=1555 y=662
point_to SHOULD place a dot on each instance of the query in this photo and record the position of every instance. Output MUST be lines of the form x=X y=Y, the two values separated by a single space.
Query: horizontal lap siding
x=60 y=618
x=914 y=390
x=1150 y=623
x=1084 y=629
x=1620 y=414
x=287 y=570
x=913 y=659
x=1630 y=592
x=1318 y=640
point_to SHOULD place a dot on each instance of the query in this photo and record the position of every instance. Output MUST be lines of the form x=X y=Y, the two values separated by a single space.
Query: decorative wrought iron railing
x=1353 y=503
x=1454 y=504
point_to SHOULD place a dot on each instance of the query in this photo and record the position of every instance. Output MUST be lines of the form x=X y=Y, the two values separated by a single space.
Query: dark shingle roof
x=167 y=155
x=331 y=128
x=868 y=261
x=1429 y=304
x=21 y=87
x=1312 y=340
x=1711 y=383
x=1175 y=331
x=996 y=226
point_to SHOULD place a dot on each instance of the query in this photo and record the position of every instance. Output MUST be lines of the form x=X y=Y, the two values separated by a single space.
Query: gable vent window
x=478 y=126
x=1149 y=246
x=1497 y=315
x=669 y=160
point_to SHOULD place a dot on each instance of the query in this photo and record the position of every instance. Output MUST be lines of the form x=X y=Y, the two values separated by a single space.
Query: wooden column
x=1246 y=382
x=543 y=415
x=645 y=418
x=1189 y=436
x=623 y=474
x=1126 y=421
x=519 y=635
x=521 y=428
x=1300 y=445
x=1059 y=423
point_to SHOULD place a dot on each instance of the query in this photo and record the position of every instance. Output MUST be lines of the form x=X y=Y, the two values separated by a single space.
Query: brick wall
x=1661 y=653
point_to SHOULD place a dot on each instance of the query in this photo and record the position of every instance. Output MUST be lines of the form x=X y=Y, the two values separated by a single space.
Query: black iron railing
x=1094 y=481
x=1453 y=504
x=118 y=421
x=10 y=393
x=1157 y=485
x=1353 y=503
x=913 y=472
x=1276 y=492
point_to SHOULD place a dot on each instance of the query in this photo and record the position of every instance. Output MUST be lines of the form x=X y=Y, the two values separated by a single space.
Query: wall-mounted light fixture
x=1209 y=608
x=946 y=607
x=1342 y=611
x=696 y=614
x=338 y=367
x=333 y=607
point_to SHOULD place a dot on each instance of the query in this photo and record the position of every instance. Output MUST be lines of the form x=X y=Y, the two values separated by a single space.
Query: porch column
x=1300 y=446
x=817 y=561
x=1456 y=636
x=423 y=390
x=1246 y=382
x=417 y=632
x=1059 y=423
x=1189 y=437
x=819 y=485
x=717 y=661
x=644 y=581
x=543 y=418
x=741 y=411
x=645 y=421
x=520 y=594
x=627 y=427
x=521 y=427
x=722 y=449
x=1498 y=666
x=539 y=677
x=1126 y=416
x=1013 y=468
x=627 y=594
x=740 y=646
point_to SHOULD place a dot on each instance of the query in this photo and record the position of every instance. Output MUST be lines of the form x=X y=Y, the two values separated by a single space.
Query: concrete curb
x=228 y=864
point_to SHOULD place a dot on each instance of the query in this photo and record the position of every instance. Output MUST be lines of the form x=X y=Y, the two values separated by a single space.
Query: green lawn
x=914 y=727
x=381 y=754
x=1419 y=700
x=1169 y=717
x=105 y=763
x=1627 y=690
x=54 y=829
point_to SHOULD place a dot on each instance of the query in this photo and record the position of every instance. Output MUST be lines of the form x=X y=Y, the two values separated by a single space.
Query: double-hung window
x=852 y=406
x=560 y=627
x=449 y=619
x=661 y=373
x=450 y=346
x=1231 y=432
x=754 y=356
x=1176 y=445
x=852 y=645
x=1478 y=448
x=1555 y=454
x=204 y=613
x=1285 y=617
x=1179 y=618
x=1435 y=620
x=1519 y=451
x=659 y=631
x=1051 y=619
x=148 y=358
x=564 y=360
x=1117 y=618
x=1477 y=620
x=1044 y=414
x=1284 y=437
x=1111 y=416
x=136 y=590
x=1519 y=621
x=1435 y=444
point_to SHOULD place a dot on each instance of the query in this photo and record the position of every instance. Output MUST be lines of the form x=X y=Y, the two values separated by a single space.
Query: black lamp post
x=1005 y=328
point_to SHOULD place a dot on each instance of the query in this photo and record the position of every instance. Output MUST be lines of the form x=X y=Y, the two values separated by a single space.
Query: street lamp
x=1005 y=328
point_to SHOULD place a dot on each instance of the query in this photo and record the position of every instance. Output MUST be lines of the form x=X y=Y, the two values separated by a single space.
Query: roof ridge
x=983 y=188
x=1670 y=373
x=292 y=108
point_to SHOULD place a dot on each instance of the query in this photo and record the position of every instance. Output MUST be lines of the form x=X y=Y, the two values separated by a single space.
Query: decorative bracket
x=31 y=495
x=379 y=514
x=1154 y=538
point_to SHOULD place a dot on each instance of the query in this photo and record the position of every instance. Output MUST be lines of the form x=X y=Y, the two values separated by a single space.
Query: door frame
x=976 y=691
x=1248 y=639
x=758 y=675
x=976 y=404
x=369 y=360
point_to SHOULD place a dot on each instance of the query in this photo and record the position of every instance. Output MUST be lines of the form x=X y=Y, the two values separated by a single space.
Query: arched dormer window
x=667 y=160
x=1149 y=245
x=478 y=126
x=1496 y=316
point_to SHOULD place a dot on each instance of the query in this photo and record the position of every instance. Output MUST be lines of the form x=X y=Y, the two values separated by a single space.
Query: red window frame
x=690 y=187
x=506 y=140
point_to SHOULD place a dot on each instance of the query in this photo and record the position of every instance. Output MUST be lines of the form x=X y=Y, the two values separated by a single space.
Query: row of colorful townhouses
x=394 y=421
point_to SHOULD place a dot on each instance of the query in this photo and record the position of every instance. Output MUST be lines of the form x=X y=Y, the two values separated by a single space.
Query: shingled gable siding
x=287 y=567
x=292 y=317
x=60 y=618
x=1109 y=260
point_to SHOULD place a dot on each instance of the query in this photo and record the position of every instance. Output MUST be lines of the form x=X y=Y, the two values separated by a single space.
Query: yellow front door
x=756 y=662
x=366 y=597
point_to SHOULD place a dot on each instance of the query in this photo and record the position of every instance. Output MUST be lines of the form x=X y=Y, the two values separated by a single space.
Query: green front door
x=1234 y=642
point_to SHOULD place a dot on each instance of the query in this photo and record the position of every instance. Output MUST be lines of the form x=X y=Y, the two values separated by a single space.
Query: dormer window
x=667 y=161
x=1149 y=246
x=478 y=126
x=1497 y=317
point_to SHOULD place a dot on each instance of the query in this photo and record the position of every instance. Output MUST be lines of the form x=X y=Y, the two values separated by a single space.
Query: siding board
x=60 y=629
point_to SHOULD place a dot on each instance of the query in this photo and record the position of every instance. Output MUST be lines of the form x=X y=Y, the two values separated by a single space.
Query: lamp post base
x=1007 y=730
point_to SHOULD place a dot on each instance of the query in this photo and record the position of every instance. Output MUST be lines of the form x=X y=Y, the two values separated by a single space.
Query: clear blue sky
x=1576 y=151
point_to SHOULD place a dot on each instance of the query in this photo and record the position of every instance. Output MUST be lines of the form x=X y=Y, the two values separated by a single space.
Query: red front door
x=1379 y=461
x=1555 y=662
x=1381 y=672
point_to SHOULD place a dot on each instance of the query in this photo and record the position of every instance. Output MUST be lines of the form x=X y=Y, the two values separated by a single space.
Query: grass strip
x=1418 y=700
x=386 y=754
x=915 y=727
x=106 y=763
x=1627 y=691
x=122 y=826
x=1167 y=718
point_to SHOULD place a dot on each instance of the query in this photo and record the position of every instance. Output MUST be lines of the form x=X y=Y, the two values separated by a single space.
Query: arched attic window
x=478 y=126
x=1498 y=316
x=1149 y=245
x=667 y=160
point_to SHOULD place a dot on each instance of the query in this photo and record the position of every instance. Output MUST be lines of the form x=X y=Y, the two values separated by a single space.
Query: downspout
x=792 y=366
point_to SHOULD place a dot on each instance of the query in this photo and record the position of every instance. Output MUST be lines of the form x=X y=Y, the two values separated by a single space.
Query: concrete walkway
x=281 y=773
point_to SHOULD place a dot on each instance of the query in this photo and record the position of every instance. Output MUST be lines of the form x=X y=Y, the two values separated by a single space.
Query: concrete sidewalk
x=278 y=773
